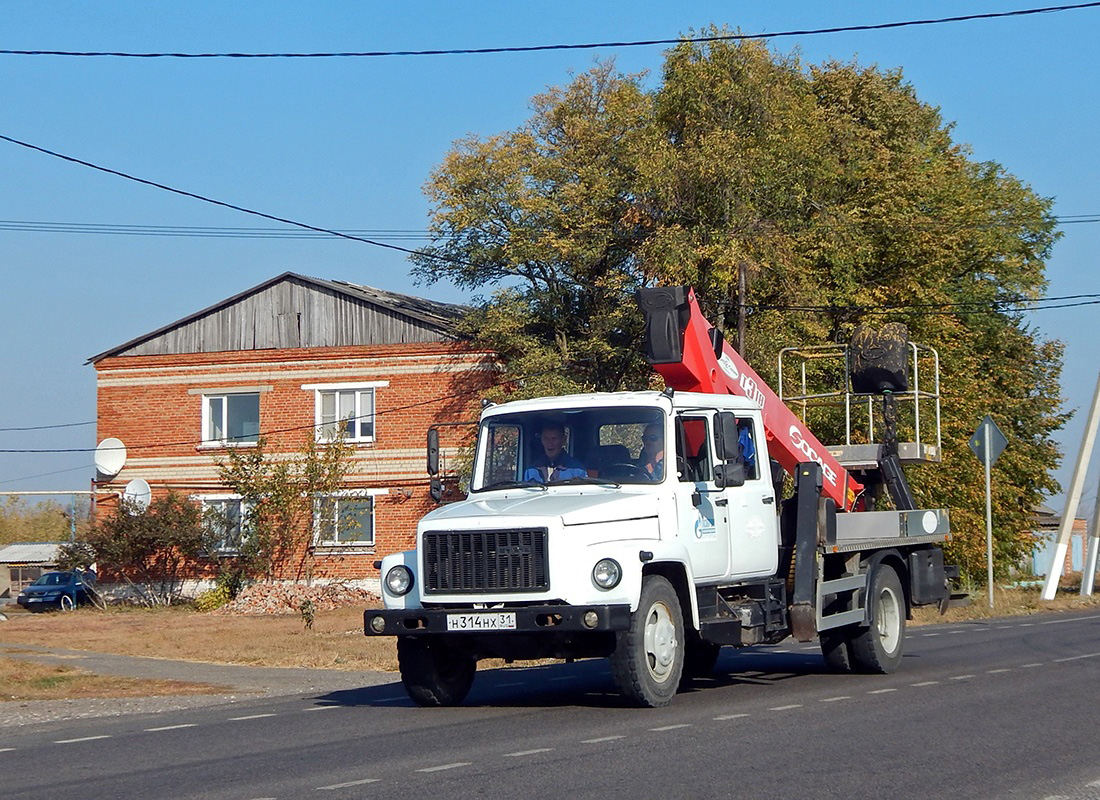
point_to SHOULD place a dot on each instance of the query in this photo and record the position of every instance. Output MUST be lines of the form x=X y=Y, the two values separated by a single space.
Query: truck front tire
x=435 y=672
x=649 y=657
x=878 y=649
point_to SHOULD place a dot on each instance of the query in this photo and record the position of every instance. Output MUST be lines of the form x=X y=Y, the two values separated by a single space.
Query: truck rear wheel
x=878 y=648
x=836 y=648
x=649 y=657
x=434 y=672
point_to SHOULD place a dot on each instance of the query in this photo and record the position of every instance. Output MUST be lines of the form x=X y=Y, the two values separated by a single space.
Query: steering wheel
x=623 y=469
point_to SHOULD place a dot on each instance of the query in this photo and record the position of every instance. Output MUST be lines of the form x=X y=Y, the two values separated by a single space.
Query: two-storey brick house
x=279 y=360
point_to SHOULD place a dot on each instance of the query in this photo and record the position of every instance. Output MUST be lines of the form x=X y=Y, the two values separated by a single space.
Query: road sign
x=997 y=441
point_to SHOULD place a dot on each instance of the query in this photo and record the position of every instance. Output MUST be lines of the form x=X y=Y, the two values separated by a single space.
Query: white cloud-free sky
x=347 y=143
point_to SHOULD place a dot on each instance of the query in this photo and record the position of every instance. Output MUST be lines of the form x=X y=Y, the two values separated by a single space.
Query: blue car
x=62 y=591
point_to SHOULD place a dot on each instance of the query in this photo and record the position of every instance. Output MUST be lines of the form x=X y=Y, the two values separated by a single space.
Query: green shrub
x=213 y=598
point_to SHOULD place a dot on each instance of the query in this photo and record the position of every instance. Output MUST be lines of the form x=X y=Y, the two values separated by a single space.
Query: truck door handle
x=768 y=501
x=722 y=502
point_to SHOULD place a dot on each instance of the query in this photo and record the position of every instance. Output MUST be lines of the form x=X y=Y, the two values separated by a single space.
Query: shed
x=23 y=562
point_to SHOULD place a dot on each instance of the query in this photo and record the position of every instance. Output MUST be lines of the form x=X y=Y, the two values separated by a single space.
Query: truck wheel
x=435 y=673
x=878 y=648
x=836 y=650
x=649 y=657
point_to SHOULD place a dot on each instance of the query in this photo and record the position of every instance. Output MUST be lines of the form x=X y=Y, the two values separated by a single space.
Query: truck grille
x=479 y=561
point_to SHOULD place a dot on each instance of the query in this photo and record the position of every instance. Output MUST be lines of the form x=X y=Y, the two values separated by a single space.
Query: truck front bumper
x=496 y=621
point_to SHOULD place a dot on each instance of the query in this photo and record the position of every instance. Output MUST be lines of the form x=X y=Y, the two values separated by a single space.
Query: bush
x=212 y=598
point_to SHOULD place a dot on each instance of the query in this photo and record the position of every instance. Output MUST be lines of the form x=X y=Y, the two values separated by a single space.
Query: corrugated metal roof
x=30 y=553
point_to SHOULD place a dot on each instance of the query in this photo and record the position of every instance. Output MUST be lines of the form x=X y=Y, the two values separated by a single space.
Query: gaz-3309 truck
x=656 y=568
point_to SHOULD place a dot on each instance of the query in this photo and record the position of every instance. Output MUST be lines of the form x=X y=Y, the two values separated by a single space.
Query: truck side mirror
x=726 y=444
x=730 y=473
x=435 y=490
x=433 y=451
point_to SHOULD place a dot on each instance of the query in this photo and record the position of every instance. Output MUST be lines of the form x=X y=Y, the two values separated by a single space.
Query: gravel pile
x=287 y=598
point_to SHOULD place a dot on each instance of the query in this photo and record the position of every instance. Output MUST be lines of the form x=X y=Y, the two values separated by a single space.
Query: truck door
x=701 y=518
x=752 y=525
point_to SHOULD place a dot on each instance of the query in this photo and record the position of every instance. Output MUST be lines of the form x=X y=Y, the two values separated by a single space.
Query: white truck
x=595 y=553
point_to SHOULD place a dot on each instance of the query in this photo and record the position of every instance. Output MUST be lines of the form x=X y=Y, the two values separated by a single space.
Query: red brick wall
x=149 y=403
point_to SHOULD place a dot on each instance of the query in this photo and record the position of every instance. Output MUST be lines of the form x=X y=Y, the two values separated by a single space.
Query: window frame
x=336 y=546
x=208 y=439
x=359 y=387
x=221 y=550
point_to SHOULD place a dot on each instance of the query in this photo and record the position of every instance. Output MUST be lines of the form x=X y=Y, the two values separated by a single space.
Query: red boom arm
x=682 y=350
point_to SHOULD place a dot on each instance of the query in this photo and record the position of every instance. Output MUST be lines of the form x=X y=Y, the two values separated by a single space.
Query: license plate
x=34 y=599
x=500 y=621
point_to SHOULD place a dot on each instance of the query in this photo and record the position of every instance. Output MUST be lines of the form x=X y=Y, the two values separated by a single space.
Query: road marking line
x=960 y=677
x=83 y=739
x=1075 y=619
x=601 y=739
x=955 y=632
x=1075 y=658
x=882 y=691
x=671 y=727
x=172 y=727
x=786 y=708
x=1001 y=627
x=1026 y=624
x=996 y=671
x=729 y=716
x=322 y=708
x=835 y=699
x=346 y=785
x=930 y=634
x=250 y=716
x=6 y=749
x=389 y=699
x=1029 y=666
x=442 y=767
x=534 y=752
x=925 y=683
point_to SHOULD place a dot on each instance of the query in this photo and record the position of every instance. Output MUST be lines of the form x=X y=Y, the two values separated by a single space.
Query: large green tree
x=801 y=201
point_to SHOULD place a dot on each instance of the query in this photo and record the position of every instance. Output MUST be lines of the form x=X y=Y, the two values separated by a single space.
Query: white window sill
x=223 y=445
x=344 y=549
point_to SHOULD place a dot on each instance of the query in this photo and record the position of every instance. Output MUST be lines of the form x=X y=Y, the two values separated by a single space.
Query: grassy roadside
x=335 y=642
x=28 y=680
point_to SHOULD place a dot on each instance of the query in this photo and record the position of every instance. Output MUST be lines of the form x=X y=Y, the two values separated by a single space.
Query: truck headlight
x=607 y=573
x=399 y=580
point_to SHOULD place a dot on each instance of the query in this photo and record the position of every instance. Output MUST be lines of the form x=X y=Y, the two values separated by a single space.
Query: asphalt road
x=994 y=709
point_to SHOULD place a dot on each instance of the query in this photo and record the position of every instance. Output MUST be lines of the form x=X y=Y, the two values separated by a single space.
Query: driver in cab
x=555 y=464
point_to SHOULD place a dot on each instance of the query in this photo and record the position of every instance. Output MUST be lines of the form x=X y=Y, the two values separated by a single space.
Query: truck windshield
x=587 y=445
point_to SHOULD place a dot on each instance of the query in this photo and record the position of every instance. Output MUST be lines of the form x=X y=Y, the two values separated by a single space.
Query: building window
x=231 y=418
x=225 y=518
x=345 y=520
x=345 y=410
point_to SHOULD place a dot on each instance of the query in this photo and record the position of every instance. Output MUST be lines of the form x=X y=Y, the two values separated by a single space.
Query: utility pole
x=742 y=291
x=1073 y=498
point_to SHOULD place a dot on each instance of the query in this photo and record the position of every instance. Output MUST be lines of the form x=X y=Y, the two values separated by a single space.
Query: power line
x=549 y=47
x=48 y=474
x=313 y=426
x=48 y=427
x=231 y=206
x=406 y=234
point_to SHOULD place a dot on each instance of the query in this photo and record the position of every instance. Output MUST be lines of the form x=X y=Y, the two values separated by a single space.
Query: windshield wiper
x=593 y=481
x=513 y=485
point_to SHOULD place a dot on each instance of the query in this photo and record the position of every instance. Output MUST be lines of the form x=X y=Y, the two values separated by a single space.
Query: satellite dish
x=138 y=493
x=110 y=457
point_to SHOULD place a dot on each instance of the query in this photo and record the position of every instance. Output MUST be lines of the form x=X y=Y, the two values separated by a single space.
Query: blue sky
x=348 y=143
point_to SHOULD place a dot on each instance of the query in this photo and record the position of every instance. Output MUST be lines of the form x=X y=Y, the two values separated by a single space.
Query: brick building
x=278 y=360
